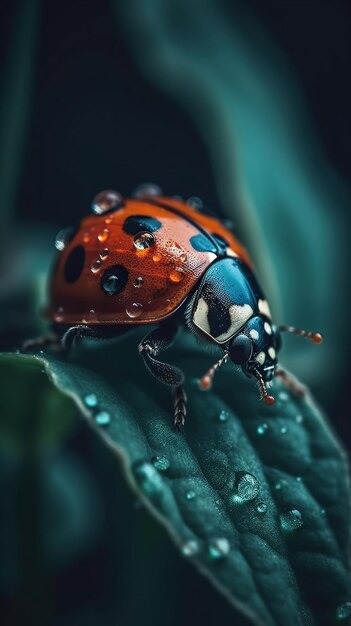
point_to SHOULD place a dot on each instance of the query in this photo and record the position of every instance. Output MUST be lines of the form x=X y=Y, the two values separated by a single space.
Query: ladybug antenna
x=263 y=389
x=206 y=380
x=314 y=337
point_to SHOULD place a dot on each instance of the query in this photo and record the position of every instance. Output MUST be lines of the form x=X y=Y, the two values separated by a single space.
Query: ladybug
x=151 y=259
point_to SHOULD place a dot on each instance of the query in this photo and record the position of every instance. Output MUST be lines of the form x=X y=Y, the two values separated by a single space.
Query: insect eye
x=277 y=338
x=143 y=240
x=241 y=349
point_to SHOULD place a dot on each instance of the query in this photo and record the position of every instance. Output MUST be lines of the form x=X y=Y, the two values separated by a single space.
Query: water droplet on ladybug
x=143 y=240
x=138 y=282
x=134 y=310
x=104 y=254
x=147 y=189
x=89 y=317
x=96 y=266
x=106 y=201
x=103 y=236
x=176 y=275
x=195 y=202
x=59 y=314
x=157 y=257
x=63 y=237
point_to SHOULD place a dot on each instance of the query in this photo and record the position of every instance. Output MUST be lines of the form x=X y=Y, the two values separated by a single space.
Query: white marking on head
x=254 y=334
x=268 y=328
x=272 y=353
x=264 y=308
x=260 y=358
x=239 y=315
x=200 y=317
x=231 y=252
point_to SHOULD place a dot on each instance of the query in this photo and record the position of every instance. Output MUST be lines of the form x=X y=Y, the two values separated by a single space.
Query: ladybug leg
x=43 y=341
x=81 y=330
x=290 y=382
x=149 y=348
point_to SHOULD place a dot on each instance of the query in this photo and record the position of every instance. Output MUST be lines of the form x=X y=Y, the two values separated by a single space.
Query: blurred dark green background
x=80 y=113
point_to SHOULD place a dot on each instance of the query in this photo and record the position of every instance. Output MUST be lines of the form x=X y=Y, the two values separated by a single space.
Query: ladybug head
x=255 y=349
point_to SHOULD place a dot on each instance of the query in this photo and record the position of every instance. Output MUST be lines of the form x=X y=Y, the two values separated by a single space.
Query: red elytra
x=160 y=275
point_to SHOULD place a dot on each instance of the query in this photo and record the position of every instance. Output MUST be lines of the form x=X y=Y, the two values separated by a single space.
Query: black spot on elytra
x=136 y=223
x=74 y=264
x=201 y=243
x=114 y=279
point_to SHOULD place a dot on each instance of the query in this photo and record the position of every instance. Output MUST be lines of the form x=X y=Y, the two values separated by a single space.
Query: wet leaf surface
x=256 y=497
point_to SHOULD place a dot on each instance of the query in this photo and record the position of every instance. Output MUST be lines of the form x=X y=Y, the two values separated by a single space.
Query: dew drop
x=161 y=463
x=134 y=310
x=190 y=495
x=177 y=275
x=262 y=429
x=63 y=237
x=246 y=487
x=299 y=479
x=148 y=478
x=89 y=317
x=291 y=520
x=59 y=314
x=218 y=548
x=261 y=507
x=195 y=202
x=279 y=485
x=103 y=235
x=143 y=240
x=283 y=396
x=190 y=548
x=90 y=400
x=106 y=201
x=104 y=254
x=96 y=266
x=299 y=419
x=147 y=189
x=283 y=430
x=343 y=611
x=223 y=416
x=157 y=257
x=103 y=418
x=138 y=282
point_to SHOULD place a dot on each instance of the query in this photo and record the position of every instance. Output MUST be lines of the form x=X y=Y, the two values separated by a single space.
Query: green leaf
x=256 y=497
